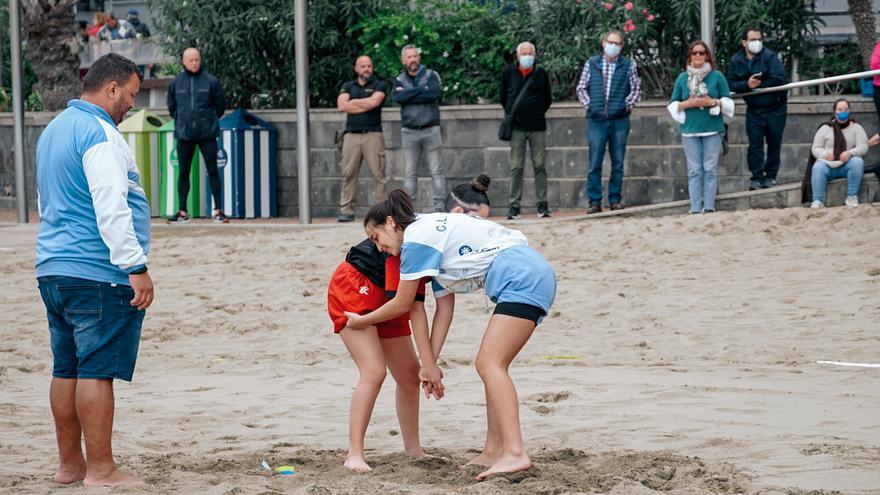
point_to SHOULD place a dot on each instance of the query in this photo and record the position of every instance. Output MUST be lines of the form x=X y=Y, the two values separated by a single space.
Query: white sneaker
x=851 y=201
x=816 y=205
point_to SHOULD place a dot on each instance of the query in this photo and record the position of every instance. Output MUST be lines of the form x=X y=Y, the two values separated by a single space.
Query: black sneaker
x=755 y=184
x=543 y=211
x=768 y=183
x=179 y=217
x=513 y=214
x=594 y=208
x=219 y=217
x=343 y=218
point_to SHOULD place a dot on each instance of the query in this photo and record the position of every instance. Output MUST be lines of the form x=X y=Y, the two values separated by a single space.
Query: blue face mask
x=611 y=50
x=526 y=61
x=842 y=116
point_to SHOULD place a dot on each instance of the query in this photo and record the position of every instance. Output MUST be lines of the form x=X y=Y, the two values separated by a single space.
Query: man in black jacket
x=196 y=103
x=758 y=67
x=529 y=124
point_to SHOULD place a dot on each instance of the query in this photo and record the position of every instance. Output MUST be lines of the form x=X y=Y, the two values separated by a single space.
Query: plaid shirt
x=608 y=67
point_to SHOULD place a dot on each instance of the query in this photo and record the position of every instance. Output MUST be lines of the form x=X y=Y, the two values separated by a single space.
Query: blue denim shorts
x=93 y=328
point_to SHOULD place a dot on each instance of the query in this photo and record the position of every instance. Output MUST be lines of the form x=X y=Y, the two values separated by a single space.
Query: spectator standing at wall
x=140 y=28
x=699 y=98
x=99 y=19
x=114 y=29
x=751 y=68
x=608 y=89
x=838 y=148
x=196 y=102
x=417 y=91
x=529 y=124
x=91 y=266
x=361 y=100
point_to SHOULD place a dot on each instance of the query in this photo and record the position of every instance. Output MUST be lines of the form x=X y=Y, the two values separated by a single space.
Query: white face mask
x=526 y=61
x=611 y=49
x=755 y=47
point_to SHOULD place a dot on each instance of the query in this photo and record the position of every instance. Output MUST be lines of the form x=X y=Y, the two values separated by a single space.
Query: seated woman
x=838 y=148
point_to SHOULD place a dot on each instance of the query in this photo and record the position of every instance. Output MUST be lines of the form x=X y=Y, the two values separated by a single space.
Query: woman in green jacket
x=699 y=99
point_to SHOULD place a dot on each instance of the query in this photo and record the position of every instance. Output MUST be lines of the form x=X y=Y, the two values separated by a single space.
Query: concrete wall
x=655 y=169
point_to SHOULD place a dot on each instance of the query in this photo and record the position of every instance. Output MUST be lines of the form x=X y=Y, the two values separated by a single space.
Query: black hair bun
x=481 y=183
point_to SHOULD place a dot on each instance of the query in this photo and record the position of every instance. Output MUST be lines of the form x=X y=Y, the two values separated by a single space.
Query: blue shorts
x=520 y=275
x=93 y=328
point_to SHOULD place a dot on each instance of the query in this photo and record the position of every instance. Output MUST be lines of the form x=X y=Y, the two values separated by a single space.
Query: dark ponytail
x=398 y=206
x=469 y=196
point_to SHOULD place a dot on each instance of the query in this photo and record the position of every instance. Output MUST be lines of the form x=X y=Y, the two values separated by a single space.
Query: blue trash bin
x=249 y=175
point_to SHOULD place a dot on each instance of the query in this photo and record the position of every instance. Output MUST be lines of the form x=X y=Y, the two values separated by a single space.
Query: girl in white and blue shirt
x=463 y=253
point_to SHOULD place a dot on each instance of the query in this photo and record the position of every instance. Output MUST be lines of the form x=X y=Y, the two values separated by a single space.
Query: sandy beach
x=680 y=357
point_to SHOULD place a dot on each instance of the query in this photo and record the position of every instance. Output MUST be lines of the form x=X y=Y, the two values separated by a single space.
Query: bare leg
x=365 y=350
x=504 y=338
x=492 y=448
x=401 y=359
x=68 y=432
x=94 y=407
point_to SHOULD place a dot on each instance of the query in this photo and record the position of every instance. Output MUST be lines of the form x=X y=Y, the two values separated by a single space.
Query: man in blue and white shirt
x=91 y=266
x=609 y=88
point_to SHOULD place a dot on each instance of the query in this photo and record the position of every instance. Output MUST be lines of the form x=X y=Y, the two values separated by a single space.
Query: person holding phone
x=751 y=68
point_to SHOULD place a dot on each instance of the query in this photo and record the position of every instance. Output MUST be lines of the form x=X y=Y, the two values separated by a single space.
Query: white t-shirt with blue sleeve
x=455 y=249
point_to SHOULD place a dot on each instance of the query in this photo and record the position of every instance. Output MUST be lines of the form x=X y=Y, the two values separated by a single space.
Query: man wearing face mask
x=609 y=88
x=417 y=91
x=91 y=266
x=757 y=67
x=529 y=124
x=361 y=100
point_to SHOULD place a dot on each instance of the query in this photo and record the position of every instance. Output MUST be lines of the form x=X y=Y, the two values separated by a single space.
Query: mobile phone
x=758 y=75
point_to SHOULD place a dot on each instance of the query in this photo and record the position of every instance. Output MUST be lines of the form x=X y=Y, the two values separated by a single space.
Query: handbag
x=505 y=130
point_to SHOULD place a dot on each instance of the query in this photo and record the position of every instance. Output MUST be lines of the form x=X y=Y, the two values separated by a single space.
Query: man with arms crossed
x=92 y=266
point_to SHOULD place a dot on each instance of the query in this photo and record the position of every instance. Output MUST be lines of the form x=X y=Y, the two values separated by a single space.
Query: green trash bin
x=168 y=173
x=140 y=131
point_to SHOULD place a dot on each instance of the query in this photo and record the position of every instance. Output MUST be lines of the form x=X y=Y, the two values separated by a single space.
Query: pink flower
x=644 y=11
x=650 y=17
x=628 y=5
x=609 y=6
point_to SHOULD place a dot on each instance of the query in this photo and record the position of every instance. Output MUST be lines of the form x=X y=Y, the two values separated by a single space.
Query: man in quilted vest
x=609 y=88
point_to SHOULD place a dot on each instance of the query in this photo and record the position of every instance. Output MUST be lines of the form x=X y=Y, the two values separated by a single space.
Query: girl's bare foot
x=115 y=478
x=70 y=474
x=416 y=453
x=507 y=464
x=357 y=464
x=485 y=458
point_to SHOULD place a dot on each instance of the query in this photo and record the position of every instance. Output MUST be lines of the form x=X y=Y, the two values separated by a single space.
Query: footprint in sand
x=545 y=398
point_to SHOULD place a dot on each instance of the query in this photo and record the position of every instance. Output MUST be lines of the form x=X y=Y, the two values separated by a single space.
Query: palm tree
x=862 y=15
x=52 y=49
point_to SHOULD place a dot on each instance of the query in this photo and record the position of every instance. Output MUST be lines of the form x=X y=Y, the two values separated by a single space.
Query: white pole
x=302 y=110
x=707 y=22
x=17 y=109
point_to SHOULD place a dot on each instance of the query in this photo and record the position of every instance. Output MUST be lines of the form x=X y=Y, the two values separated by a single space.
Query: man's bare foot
x=357 y=464
x=70 y=474
x=115 y=478
x=507 y=464
x=484 y=459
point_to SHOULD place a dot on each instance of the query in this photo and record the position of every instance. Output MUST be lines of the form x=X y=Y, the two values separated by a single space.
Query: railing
x=140 y=51
x=810 y=82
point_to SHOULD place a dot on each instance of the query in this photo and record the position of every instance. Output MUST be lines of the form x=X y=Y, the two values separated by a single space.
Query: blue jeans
x=853 y=170
x=611 y=134
x=94 y=330
x=702 y=154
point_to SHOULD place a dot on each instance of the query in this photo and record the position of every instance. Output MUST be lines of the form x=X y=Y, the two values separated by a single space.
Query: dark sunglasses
x=698 y=52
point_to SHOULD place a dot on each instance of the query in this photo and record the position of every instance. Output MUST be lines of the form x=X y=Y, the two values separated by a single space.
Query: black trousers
x=185 y=152
x=760 y=126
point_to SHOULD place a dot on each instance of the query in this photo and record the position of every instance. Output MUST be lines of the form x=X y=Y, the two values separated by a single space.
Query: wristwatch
x=139 y=271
